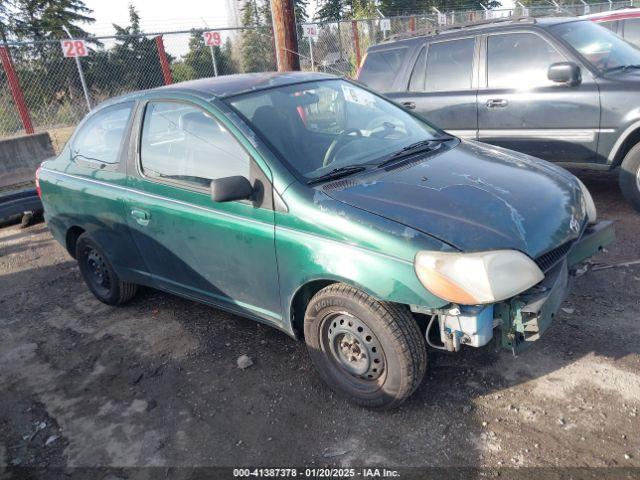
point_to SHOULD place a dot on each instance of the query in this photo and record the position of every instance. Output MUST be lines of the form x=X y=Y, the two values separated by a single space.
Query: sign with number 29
x=212 y=39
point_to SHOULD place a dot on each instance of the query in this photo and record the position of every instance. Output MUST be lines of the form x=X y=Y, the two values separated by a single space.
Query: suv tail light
x=38 y=190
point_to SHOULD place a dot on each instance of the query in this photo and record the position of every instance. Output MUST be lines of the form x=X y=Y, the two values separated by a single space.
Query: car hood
x=474 y=197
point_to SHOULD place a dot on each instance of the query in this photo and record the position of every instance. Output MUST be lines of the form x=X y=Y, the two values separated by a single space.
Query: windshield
x=601 y=47
x=322 y=126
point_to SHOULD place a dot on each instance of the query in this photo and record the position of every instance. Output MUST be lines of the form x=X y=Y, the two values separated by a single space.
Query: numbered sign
x=442 y=18
x=384 y=24
x=212 y=39
x=587 y=10
x=310 y=30
x=74 y=48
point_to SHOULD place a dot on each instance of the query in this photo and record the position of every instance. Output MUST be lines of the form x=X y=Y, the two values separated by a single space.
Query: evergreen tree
x=134 y=59
x=199 y=60
x=45 y=19
x=257 y=43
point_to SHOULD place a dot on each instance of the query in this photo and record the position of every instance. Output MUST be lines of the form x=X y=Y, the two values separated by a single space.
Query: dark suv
x=561 y=89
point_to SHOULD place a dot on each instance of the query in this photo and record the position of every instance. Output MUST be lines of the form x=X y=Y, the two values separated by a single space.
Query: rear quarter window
x=381 y=67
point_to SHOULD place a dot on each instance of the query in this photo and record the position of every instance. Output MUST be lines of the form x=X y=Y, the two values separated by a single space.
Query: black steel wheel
x=370 y=351
x=99 y=275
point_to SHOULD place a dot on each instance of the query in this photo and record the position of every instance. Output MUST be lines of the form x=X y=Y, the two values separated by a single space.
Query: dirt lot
x=156 y=382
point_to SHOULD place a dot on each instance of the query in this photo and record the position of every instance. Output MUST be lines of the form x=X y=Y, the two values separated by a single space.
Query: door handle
x=141 y=216
x=409 y=105
x=497 y=103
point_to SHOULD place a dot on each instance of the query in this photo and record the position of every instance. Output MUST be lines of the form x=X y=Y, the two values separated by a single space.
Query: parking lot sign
x=74 y=48
x=310 y=30
x=212 y=39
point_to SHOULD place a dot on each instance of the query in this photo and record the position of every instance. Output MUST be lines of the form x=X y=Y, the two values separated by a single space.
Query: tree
x=47 y=19
x=199 y=59
x=134 y=60
x=300 y=9
x=257 y=43
x=408 y=7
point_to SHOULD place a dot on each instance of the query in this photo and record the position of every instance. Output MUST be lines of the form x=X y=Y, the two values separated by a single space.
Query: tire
x=369 y=351
x=99 y=275
x=629 y=177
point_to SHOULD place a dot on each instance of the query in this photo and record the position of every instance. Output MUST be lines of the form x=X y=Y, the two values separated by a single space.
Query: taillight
x=38 y=191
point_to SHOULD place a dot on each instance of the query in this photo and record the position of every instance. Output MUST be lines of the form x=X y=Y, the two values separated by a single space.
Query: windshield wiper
x=337 y=173
x=423 y=145
x=621 y=67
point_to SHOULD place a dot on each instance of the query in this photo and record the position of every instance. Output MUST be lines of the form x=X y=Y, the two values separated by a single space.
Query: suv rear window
x=381 y=67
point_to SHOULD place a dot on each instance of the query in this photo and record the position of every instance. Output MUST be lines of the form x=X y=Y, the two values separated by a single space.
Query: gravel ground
x=155 y=383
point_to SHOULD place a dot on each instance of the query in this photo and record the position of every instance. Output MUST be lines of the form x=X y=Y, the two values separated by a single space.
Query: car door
x=222 y=253
x=521 y=109
x=443 y=86
x=95 y=177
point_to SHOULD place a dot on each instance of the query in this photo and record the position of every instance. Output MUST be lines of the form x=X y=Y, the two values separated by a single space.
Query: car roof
x=228 y=85
x=619 y=14
x=475 y=27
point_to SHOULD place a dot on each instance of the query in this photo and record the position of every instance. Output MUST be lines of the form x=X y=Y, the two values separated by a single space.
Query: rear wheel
x=370 y=351
x=99 y=275
x=630 y=177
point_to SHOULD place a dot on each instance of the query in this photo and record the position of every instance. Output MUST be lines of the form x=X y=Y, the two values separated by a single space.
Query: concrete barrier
x=20 y=157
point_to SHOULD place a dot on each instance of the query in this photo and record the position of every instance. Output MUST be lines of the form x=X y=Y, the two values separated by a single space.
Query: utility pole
x=285 y=35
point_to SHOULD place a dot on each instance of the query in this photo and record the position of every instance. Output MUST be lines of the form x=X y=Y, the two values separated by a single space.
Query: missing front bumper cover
x=525 y=318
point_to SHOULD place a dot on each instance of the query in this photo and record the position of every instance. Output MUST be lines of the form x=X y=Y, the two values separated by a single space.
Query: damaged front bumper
x=524 y=318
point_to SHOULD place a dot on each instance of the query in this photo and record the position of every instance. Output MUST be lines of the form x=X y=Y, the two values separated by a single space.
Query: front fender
x=320 y=238
x=305 y=258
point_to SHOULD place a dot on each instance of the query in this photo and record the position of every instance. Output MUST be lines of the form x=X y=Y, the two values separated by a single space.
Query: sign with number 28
x=74 y=48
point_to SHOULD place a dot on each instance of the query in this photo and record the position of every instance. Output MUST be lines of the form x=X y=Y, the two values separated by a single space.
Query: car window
x=450 y=65
x=416 y=83
x=183 y=143
x=605 y=50
x=101 y=136
x=632 y=30
x=519 y=60
x=356 y=126
x=381 y=67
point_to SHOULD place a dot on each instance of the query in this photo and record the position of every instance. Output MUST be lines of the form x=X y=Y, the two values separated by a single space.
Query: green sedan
x=319 y=207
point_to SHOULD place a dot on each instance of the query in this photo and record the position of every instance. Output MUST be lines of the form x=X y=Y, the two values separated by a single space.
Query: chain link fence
x=55 y=99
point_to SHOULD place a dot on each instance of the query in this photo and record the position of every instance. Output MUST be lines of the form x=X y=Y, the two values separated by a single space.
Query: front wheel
x=630 y=177
x=370 y=351
x=99 y=275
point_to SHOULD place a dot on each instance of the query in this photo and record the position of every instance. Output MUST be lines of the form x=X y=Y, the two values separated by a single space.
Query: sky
x=165 y=15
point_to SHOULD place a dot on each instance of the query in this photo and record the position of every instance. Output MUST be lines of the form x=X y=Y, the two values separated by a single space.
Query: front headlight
x=589 y=205
x=476 y=278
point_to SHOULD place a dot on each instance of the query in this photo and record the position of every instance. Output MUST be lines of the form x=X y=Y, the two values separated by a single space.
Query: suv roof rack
x=436 y=29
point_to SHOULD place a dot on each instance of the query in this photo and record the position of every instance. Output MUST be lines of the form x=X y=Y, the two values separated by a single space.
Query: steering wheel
x=342 y=138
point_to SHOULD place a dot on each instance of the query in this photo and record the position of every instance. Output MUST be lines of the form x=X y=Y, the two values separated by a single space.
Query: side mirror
x=229 y=189
x=565 y=72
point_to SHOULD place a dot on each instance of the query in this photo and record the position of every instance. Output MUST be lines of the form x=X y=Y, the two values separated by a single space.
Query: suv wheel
x=630 y=177
x=370 y=351
x=99 y=275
